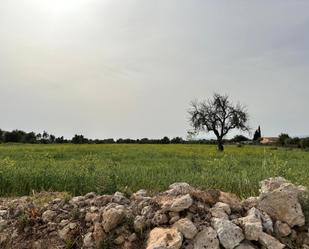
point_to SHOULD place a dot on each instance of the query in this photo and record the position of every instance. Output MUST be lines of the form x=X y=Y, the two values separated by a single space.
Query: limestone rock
x=181 y=203
x=88 y=241
x=207 y=238
x=282 y=229
x=3 y=225
x=159 y=218
x=273 y=183
x=179 y=188
x=186 y=227
x=112 y=217
x=48 y=215
x=232 y=200
x=245 y=245
x=250 y=203
x=223 y=206
x=229 y=234
x=270 y=242
x=164 y=238
x=139 y=223
x=65 y=234
x=218 y=213
x=98 y=233
x=252 y=225
x=282 y=204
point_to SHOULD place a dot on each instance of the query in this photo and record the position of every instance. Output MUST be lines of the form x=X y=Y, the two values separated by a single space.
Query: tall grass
x=106 y=168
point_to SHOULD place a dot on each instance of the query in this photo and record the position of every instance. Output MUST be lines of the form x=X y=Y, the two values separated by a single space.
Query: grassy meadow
x=79 y=169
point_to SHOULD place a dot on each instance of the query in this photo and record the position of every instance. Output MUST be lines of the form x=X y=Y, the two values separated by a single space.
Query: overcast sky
x=129 y=68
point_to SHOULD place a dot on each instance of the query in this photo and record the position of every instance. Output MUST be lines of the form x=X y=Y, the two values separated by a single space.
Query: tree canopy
x=218 y=115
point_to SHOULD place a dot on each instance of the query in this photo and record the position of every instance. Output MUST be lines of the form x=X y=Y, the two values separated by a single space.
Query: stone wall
x=181 y=217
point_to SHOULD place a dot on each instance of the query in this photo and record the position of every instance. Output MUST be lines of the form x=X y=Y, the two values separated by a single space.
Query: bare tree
x=218 y=115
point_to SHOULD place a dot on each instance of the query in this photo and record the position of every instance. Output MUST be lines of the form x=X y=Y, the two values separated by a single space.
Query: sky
x=115 y=68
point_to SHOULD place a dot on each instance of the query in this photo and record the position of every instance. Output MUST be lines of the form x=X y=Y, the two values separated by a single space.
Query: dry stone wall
x=180 y=218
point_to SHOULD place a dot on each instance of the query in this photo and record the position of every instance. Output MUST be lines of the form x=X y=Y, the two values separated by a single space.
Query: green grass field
x=107 y=168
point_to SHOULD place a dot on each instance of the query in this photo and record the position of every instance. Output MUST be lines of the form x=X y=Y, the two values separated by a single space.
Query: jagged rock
x=250 y=203
x=219 y=213
x=140 y=194
x=270 y=242
x=148 y=212
x=65 y=234
x=90 y=195
x=3 y=225
x=98 y=233
x=179 y=188
x=63 y=223
x=139 y=223
x=78 y=201
x=223 y=206
x=186 y=227
x=48 y=215
x=210 y=197
x=267 y=222
x=164 y=238
x=132 y=237
x=282 y=229
x=229 y=234
x=159 y=218
x=273 y=183
x=207 y=238
x=3 y=213
x=120 y=198
x=232 y=200
x=112 y=217
x=88 y=241
x=282 y=204
x=3 y=237
x=92 y=217
x=245 y=245
x=174 y=219
x=252 y=225
x=181 y=203
x=119 y=240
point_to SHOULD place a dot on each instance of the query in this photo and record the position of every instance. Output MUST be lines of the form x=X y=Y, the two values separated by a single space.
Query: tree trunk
x=220 y=145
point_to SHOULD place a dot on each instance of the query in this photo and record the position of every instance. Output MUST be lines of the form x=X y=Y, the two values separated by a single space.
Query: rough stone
x=282 y=229
x=88 y=241
x=112 y=218
x=218 y=213
x=159 y=218
x=282 y=204
x=229 y=234
x=245 y=245
x=232 y=200
x=48 y=215
x=252 y=225
x=164 y=238
x=270 y=242
x=98 y=233
x=179 y=188
x=181 y=203
x=207 y=238
x=3 y=225
x=186 y=227
x=223 y=206
x=139 y=223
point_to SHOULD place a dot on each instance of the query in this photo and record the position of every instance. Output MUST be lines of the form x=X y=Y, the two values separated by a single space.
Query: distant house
x=269 y=140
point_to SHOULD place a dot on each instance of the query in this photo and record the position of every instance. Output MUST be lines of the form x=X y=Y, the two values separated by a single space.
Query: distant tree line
x=296 y=142
x=19 y=136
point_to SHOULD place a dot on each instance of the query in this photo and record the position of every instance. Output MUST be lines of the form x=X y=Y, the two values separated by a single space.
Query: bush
x=304 y=143
x=283 y=139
